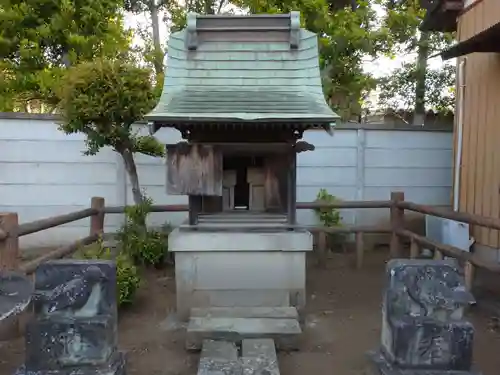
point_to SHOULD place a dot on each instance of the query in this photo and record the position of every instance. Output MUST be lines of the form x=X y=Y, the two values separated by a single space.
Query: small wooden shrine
x=241 y=90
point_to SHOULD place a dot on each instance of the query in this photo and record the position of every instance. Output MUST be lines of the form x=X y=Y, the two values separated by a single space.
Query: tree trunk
x=421 y=73
x=209 y=6
x=158 y=61
x=128 y=160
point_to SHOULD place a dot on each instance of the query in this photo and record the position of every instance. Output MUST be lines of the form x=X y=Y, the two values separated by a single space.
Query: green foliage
x=39 y=39
x=145 y=246
x=415 y=85
x=127 y=274
x=399 y=89
x=329 y=217
x=102 y=99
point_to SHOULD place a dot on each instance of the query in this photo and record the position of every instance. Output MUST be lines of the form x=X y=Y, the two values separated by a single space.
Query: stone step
x=285 y=332
x=287 y=312
x=219 y=358
x=258 y=357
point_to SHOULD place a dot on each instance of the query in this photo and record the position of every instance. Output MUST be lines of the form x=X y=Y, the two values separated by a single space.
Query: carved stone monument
x=74 y=330
x=16 y=291
x=423 y=328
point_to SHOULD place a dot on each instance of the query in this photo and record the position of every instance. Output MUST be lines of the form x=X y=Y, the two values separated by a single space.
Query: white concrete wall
x=44 y=173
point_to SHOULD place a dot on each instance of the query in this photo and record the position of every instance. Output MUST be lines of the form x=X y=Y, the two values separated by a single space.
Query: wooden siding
x=194 y=170
x=480 y=169
x=478 y=17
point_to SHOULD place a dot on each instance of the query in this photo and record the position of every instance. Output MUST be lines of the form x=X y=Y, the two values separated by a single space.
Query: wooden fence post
x=322 y=249
x=397 y=223
x=414 y=249
x=438 y=255
x=469 y=271
x=9 y=246
x=360 y=250
x=97 y=221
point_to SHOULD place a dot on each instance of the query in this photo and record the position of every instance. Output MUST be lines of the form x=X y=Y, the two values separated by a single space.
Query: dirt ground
x=343 y=323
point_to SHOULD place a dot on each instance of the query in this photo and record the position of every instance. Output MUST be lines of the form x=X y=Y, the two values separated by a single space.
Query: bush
x=127 y=274
x=329 y=217
x=145 y=246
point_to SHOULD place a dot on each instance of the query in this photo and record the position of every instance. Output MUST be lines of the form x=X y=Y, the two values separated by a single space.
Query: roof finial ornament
x=191 y=35
x=294 y=29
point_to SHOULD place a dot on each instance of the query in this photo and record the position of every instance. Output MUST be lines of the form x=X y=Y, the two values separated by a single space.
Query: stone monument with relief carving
x=74 y=330
x=16 y=291
x=423 y=328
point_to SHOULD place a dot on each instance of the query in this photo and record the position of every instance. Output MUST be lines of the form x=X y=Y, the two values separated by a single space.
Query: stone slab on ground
x=245 y=312
x=285 y=332
x=383 y=367
x=258 y=357
x=219 y=358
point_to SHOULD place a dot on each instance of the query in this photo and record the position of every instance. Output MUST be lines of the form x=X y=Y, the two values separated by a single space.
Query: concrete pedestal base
x=384 y=367
x=228 y=269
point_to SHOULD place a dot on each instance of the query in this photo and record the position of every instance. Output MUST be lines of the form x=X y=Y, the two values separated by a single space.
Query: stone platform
x=238 y=324
x=258 y=357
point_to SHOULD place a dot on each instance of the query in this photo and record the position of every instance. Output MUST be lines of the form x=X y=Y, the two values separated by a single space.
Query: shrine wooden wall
x=480 y=167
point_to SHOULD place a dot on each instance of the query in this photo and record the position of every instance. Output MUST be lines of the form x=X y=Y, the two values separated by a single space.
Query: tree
x=40 y=39
x=399 y=89
x=102 y=99
x=422 y=84
x=152 y=7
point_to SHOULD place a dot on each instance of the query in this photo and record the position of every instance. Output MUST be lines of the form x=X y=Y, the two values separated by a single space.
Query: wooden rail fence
x=11 y=230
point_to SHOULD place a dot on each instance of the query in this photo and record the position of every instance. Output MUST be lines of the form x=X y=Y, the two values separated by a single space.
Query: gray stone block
x=219 y=358
x=15 y=294
x=51 y=344
x=383 y=367
x=245 y=312
x=259 y=357
x=285 y=332
x=423 y=329
x=74 y=328
x=116 y=366
x=76 y=288
x=247 y=297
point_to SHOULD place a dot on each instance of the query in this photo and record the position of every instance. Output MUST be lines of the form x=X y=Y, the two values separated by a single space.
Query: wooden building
x=241 y=90
x=477 y=132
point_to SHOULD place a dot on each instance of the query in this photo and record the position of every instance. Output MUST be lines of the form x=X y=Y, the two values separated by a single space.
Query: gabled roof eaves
x=243 y=79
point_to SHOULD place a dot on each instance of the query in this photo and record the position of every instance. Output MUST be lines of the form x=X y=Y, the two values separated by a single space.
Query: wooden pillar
x=97 y=220
x=469 y=272
x=9 y=246
x=438 y=255
x=195 y=203
x=292 y=190
x=414 y=249
x=322 y=250
x=397 y=223
x=360 y=250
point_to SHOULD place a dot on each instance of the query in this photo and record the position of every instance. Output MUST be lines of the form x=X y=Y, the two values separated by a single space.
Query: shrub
x=145 y=246
x=329 y=217
x=127 y=274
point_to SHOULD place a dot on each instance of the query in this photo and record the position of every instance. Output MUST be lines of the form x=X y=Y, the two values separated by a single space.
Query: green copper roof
x=242 y=68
